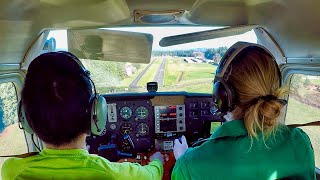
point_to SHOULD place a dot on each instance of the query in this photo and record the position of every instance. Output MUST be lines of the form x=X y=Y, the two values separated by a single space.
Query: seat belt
x=314 y=123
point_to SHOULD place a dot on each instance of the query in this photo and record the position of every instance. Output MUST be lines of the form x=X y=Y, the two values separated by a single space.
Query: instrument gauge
x=113 y=126
x=126 y=113
x=142 y=129
x=126 y=128
x=142 y=112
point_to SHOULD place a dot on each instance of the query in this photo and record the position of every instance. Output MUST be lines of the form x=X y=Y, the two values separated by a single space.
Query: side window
x=304 y=107
x=11 y=137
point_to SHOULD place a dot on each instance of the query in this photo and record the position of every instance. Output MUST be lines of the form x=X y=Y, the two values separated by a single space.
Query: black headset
x=224 y=96
x=97 y=107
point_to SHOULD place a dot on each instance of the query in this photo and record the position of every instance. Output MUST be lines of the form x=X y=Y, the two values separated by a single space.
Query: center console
x=170 y=123
x=170 y=119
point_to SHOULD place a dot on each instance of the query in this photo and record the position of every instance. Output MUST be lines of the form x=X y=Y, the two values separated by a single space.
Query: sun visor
x=110 y=45
x=205 y=35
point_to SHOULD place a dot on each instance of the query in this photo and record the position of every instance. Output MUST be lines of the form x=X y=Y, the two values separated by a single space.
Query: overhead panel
x=73 y=14
x=219 y=13
x=18 y=28
x=293 y=25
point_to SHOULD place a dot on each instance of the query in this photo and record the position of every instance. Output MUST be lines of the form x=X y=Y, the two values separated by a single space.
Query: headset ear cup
x=22 y=118
x=98 y=115
x=220 y=97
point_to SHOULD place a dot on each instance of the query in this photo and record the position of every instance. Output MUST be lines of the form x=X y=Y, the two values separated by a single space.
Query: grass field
x=315 y=81
x=301 y=113
x=172 y=71
x=178 y=71
x=182 y=76
x=12 y=142
x=214 y=126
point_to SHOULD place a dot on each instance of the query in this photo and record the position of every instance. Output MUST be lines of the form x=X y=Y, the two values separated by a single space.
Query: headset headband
x=86 y=73
x=232 y=53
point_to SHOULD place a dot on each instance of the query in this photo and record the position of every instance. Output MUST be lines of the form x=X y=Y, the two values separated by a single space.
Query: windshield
x=186 y=67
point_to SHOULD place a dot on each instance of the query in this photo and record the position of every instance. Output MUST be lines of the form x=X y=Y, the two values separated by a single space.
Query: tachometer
x=142 y=112
x=126 y=128
x=125 y=112
x=142 y=129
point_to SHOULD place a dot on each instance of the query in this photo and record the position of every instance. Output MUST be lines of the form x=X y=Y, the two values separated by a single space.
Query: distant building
x=130 y=69
x=217 y=58
x=188 y=60
x=198 y=55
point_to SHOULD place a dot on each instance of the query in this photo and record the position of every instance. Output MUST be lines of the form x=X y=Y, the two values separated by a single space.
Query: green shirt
x=76 y=164
x=229 y=155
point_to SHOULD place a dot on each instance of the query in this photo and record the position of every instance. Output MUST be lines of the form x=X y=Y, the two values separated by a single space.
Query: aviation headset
x=97 y=107
x=224 y=96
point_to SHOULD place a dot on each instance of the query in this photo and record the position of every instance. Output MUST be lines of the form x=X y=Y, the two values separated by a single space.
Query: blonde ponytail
x=264 y=114
x=256 y=83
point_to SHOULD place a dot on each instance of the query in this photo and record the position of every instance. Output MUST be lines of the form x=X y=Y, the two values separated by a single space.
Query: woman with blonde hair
x=252 y=143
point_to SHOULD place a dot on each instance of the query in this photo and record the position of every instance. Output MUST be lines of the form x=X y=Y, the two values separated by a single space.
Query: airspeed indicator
x=125 y=112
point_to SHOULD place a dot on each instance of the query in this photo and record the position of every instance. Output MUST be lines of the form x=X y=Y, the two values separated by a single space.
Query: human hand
x=180 y=148
x=157 y=155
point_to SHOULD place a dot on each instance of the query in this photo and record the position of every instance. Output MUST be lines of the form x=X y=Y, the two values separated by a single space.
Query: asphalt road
x=159 y=77
x=134 y=83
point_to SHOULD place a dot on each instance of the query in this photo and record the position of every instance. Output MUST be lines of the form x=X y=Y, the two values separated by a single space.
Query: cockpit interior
x=154 y=62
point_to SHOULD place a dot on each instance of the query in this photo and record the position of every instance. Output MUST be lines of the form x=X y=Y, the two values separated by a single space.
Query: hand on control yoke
x=157 y=155
x=180 y=147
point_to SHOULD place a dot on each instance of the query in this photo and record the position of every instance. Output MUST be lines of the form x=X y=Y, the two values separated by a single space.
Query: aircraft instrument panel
x=139 y=125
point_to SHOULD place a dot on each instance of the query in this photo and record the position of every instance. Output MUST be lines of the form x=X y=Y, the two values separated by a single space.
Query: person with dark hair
x=252 y=144
x=57 y=99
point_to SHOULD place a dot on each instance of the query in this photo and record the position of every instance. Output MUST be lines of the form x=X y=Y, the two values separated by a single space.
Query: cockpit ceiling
x=292 y=23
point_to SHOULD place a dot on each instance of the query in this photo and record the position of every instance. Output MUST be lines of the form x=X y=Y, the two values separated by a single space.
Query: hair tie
x=268 y=97
x=272 y=97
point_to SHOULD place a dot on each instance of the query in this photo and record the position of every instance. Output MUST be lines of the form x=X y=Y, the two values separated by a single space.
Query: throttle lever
x=128 y=138
x=111 y=151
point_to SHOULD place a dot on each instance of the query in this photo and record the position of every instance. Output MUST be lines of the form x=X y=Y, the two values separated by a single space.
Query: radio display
x=168 y=111
x=168 y=125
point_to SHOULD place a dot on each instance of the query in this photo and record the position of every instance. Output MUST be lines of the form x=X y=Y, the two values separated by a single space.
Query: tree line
x=8 y=105
x=208 y=53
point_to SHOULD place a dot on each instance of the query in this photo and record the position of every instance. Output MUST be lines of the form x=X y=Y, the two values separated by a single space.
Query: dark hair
x=56 y=98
